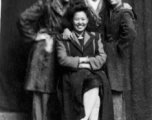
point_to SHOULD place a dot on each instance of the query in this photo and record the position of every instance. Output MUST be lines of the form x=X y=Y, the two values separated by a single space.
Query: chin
x=80 y=30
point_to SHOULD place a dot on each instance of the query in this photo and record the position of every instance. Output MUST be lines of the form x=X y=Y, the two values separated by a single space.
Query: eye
x=76 y=18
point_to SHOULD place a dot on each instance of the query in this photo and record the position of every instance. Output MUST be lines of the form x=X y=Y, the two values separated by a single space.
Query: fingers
x=84 y=60
x=65 y=36
x=49 y=45
x=71 y=36
x=68 y=36
x=42 y=36
x=84 y=65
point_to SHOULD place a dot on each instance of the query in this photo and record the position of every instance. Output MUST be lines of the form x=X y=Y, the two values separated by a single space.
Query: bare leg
x=95 y=112
x=89 y=99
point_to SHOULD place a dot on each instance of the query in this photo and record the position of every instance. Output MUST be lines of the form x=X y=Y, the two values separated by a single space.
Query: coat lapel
x=76 y=42
x=58 y=7
x=87 y=40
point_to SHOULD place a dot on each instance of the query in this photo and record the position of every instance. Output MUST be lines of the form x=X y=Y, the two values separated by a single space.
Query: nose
x=80 y=21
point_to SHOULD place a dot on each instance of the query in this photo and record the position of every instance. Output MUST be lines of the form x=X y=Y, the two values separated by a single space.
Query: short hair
x=67 y=21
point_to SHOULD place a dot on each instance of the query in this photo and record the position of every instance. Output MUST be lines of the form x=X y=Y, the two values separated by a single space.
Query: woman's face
x=80 y=21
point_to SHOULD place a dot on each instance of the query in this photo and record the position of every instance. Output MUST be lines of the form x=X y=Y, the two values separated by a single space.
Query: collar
x=118 y=8
x=95 y=13
x=80 y=36
x=58 y=7
x=87 y=40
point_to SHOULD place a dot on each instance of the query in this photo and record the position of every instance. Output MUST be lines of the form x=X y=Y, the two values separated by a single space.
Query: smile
x=82 y=26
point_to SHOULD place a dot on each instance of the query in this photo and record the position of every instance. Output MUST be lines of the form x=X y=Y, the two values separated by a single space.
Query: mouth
x=80 y=26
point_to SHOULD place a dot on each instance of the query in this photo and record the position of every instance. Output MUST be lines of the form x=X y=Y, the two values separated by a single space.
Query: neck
x=94 y=4
x=79 y=33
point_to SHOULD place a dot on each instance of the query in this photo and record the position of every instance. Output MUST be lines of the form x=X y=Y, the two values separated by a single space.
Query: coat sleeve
x=100 y=58
x=127 y=31
x=28 y=21
x=63 y=58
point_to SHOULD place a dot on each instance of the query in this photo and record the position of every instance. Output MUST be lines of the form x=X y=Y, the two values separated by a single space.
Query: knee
x=97 y=103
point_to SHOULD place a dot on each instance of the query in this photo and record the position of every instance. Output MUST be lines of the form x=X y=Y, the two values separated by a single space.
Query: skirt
x=71 y=88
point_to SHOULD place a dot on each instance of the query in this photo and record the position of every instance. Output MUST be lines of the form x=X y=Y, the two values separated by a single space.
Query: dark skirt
x=72 y=86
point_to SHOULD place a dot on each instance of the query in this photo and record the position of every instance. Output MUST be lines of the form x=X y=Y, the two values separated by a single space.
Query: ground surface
x=13 y=116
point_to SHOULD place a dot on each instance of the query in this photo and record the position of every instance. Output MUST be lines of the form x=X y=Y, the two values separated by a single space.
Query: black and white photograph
x=75 y=60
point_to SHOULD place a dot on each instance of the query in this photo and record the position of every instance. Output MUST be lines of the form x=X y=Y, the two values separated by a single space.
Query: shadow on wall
x=0 y=18
x=13 y=58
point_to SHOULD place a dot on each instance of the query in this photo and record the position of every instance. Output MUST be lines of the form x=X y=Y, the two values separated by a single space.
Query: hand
x=49 y=44
x=84 y=65
x=126 y=6
x=42 y=36
x=67 y=34
x=48 y=39
x=83 y=60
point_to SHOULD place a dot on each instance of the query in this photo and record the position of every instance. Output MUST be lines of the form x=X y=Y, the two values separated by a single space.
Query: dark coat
x=119 y=35
x=72 y=79
x=39 y=17
x=95 y=62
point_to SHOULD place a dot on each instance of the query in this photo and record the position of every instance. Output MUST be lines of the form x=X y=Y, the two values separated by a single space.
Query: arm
x=127 y=32
x=126 y=6
x=66 y=26
x=28 y=24
x=64 y=59
x=67 y=34
x=100 y=58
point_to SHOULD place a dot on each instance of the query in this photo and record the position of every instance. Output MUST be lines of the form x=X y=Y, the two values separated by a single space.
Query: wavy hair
x=67 y=21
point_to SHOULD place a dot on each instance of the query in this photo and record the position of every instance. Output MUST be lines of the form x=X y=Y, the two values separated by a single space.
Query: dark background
x=14 y=54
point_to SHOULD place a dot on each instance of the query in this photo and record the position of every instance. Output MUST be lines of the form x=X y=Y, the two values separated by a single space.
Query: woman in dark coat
x=117 y=66
x=120 y=33
x=83 y=89
x=38 y=25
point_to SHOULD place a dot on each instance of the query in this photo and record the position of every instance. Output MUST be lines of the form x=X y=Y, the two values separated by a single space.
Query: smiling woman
x=83 y=85
x=80 y=21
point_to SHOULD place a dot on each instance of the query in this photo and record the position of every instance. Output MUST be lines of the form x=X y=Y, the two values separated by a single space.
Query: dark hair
x=67 y=21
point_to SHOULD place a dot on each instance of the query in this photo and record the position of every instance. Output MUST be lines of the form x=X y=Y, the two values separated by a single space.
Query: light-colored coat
x=41 y=74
